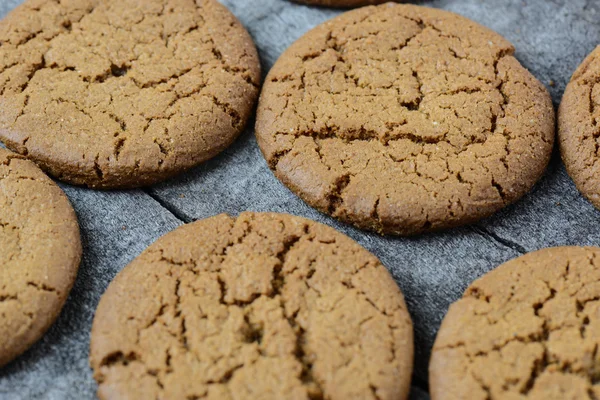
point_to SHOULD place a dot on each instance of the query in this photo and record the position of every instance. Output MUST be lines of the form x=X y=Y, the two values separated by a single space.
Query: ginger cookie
x=404 y=119
x=578 y=130
x=528 y=330
x=124 y=93
x=262 y=306
x=341 y=3
x=40 y=251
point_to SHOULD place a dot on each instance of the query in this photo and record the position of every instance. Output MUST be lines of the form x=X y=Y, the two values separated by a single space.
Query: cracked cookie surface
x=579 y=132
x=403 y=119
x=528 y=330
x=40 y=251
x=265 y=306
x=124 y=93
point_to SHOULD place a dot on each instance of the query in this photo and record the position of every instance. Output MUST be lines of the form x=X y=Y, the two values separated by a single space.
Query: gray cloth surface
x=551 y=37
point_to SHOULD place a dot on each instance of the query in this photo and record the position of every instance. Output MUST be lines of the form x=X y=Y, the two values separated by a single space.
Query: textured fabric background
x=551 y=37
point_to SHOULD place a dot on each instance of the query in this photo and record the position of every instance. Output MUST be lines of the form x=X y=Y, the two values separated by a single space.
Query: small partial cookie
x=40 y=251
x=123 y=93
x=529 y=330
x=262 y=306
x=579 y=130
x=341 y=3
x=404 y=119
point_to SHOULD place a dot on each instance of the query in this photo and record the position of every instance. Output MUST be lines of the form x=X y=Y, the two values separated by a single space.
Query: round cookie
x=262 y=306
x=124 y=93
x=528 y=330
x=578 y=130
x=39 y=256
x=341 y=3
x=403 y=119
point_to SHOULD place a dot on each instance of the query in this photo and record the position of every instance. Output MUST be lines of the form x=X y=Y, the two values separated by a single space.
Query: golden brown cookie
x=341 y=3
x=404 y=119
x=40 y=251
x=528 y=330
x=123 y=93
x=262 y=306
x=579 y=133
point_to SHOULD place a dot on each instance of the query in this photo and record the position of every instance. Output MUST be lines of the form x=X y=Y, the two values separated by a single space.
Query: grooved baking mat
x=551 y=38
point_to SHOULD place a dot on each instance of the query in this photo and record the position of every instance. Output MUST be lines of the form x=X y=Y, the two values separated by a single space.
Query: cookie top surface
x=265 y=306
x=341 y=3
x=40 y=253
x=579 y=132
x=123 y=93
x=528 y=330
x=404 y=119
